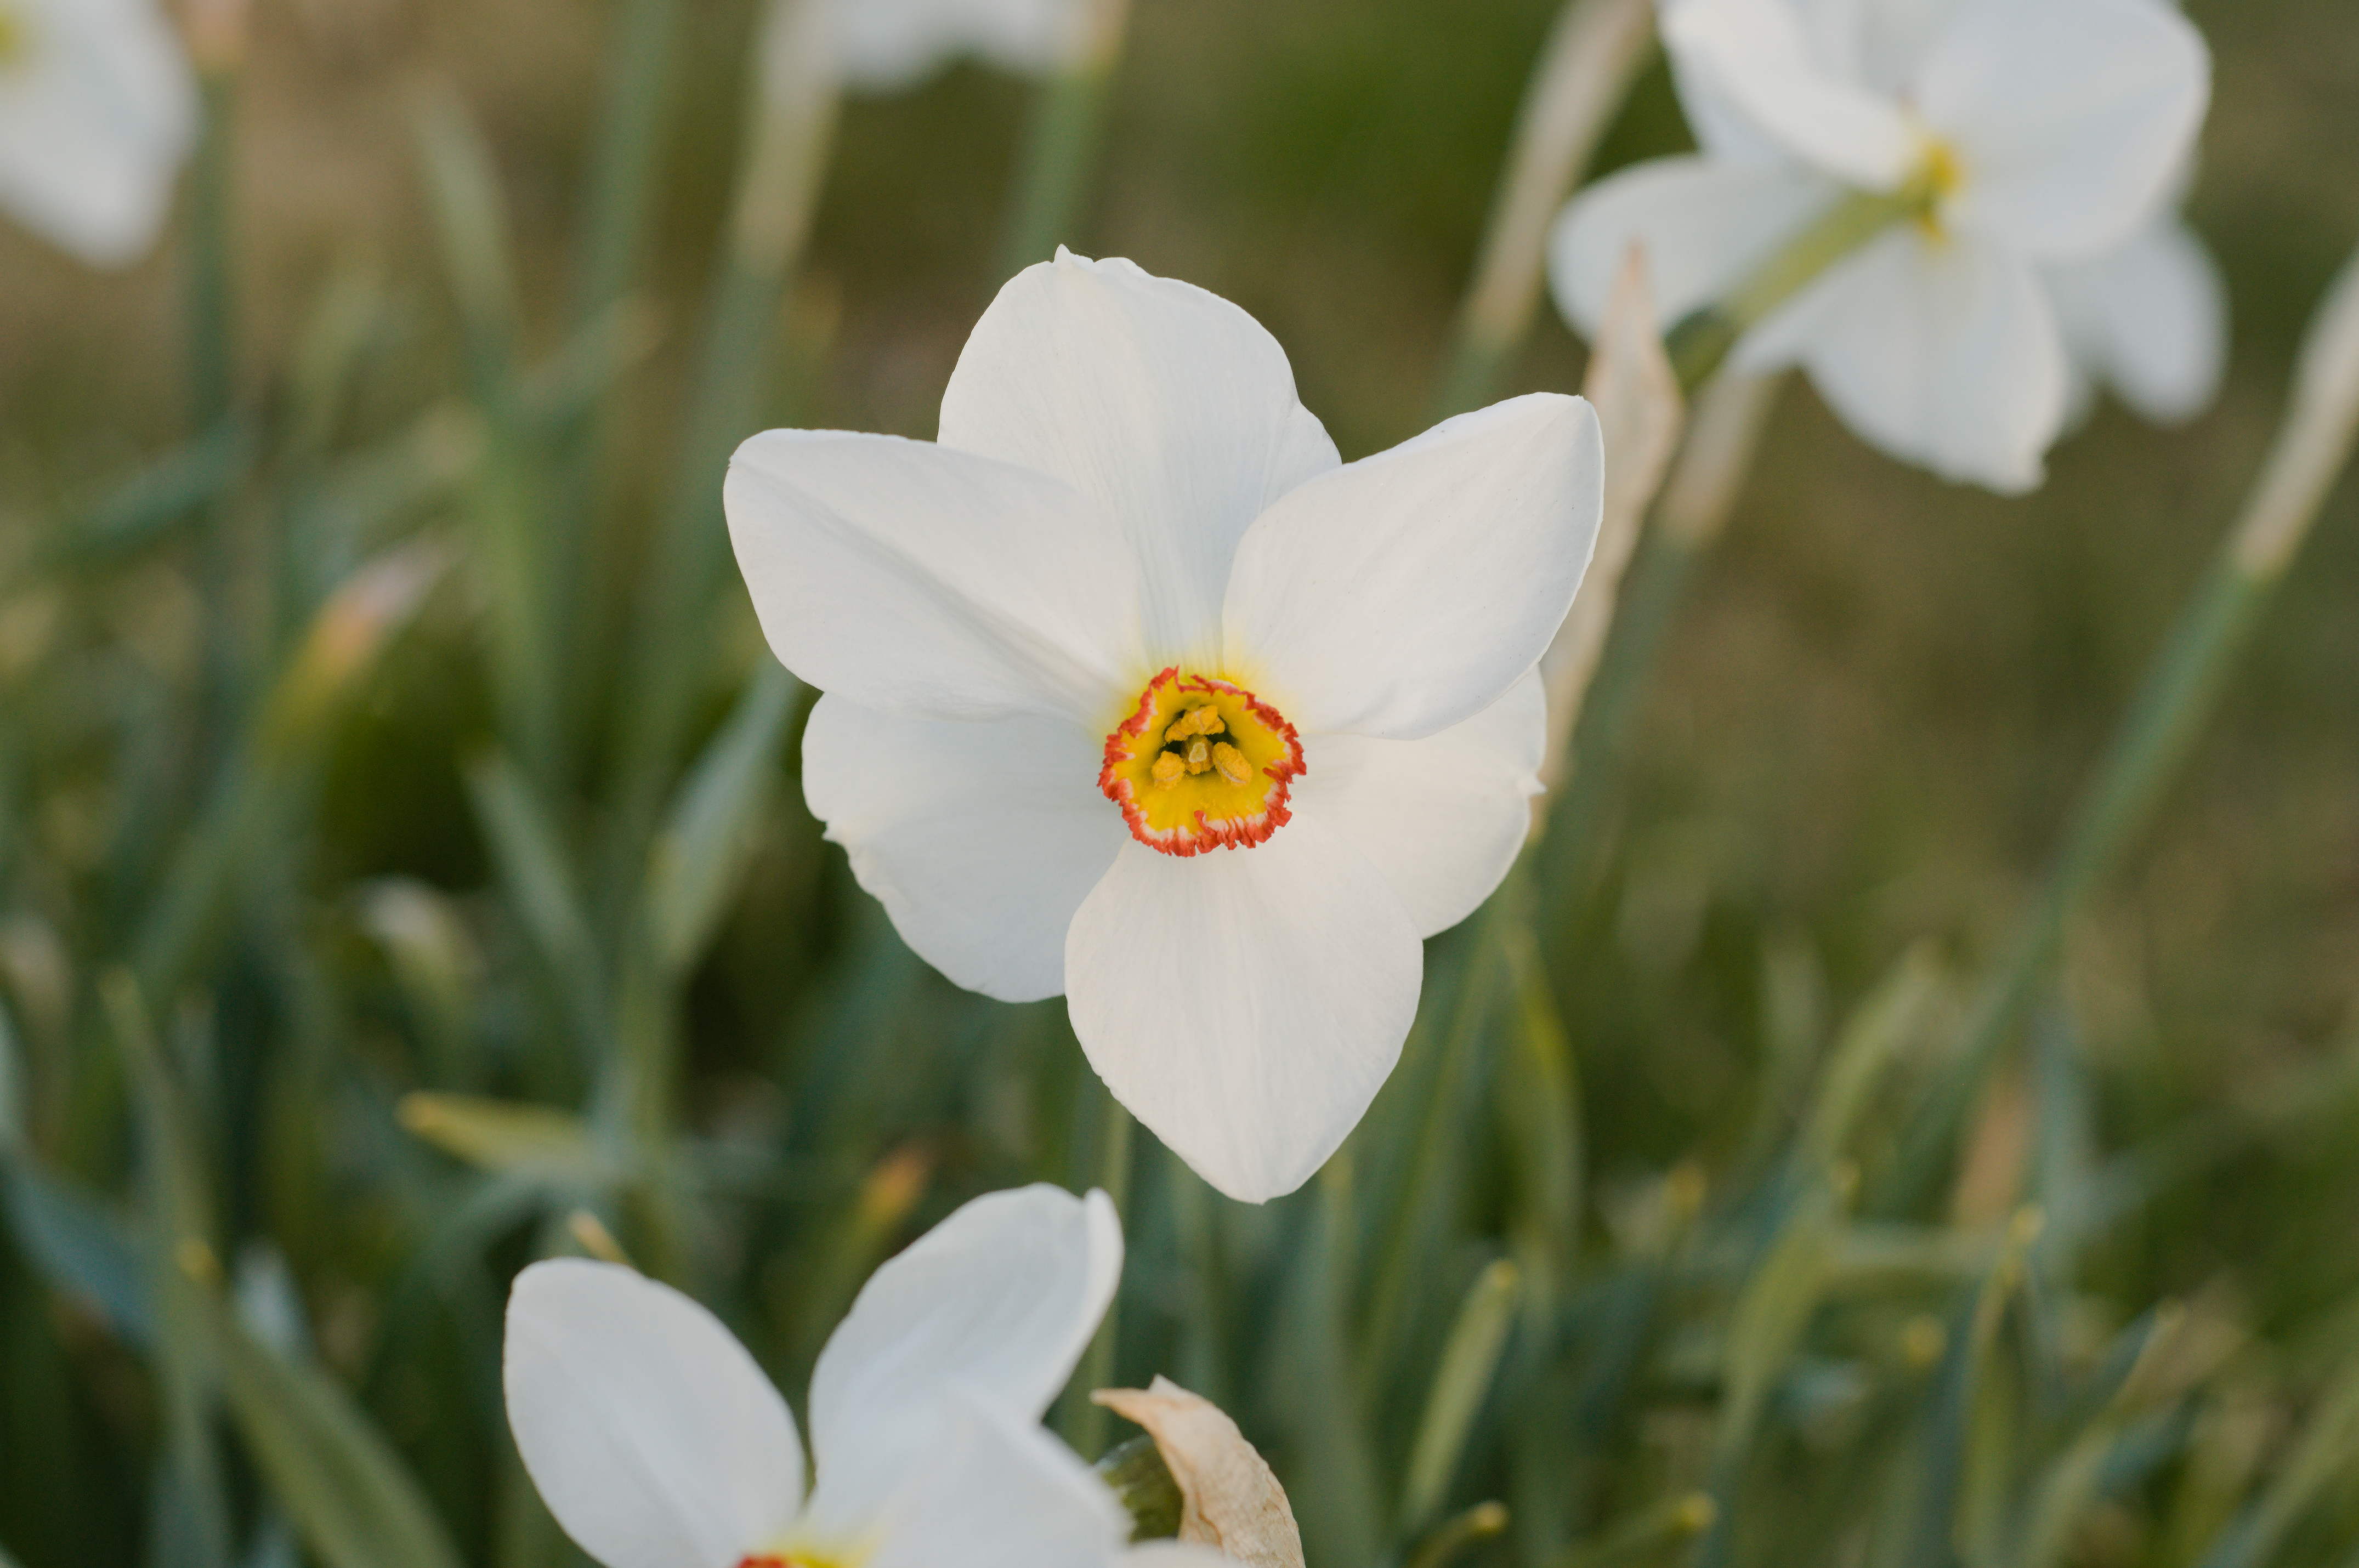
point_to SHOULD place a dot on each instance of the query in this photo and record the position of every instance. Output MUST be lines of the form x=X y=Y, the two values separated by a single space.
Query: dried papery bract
x=1637 y=396
x=1229 y=1499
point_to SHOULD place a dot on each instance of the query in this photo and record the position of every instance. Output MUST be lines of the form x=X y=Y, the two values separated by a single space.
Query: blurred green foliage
x=358 y=930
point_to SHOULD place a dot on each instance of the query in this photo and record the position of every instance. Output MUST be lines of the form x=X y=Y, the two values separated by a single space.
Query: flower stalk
x=1700 y=344
x=1061 y=147
x=2181 y=689
x=1593 y=54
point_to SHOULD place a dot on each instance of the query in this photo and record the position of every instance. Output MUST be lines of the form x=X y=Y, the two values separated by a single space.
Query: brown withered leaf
x=1641 y=413
x=1230 y=1499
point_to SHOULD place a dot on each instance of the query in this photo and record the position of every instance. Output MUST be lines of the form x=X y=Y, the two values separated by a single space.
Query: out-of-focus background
x=1873 y=718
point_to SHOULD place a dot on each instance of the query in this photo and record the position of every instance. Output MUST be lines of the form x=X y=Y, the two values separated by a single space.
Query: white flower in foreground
x=97 y=114
x=2037 y=132
x=882 y=45
x=658 y=1442
x=1136 y=692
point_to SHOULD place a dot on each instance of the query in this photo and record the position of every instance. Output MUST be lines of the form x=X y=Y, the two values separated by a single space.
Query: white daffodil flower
x=2033 y=132
x=97 y=114
x=2148 y=320
x=1134 y=691
x=884 y=45
x=658 y=1442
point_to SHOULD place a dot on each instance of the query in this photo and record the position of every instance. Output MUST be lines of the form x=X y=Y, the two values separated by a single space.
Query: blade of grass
x=192 y=1503
x=1461 y=1383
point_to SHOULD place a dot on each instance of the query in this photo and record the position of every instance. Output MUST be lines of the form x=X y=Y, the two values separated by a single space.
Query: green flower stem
x=2181 y=691
x=1593 y=54
x=1061 y=147
x=1701 y=342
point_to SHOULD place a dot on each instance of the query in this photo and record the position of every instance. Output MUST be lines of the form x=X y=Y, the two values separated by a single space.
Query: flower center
x=1940 y=174
x=1201 y=764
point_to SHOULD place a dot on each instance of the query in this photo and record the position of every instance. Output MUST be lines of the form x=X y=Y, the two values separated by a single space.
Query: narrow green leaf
x=1469 y=1361
x=1891 y=1016
x=540 y=890
x=1453 y=1536
x=2327 y=1450
x=340 y=1484
x=697 y=856
x=1648 y=1536
x=12 y=1086
x=191 y=1507
x=82 y=1247
x=470 y=221
x=172 y=487
x=501 y=1138
x=434 y=961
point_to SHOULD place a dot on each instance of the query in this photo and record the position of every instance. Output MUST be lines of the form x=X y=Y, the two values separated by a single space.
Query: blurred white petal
x=1442 y=817
x=1245 y=1005
x=1407 y=592
x=2071 y=120
x=885 y=45
x=651 y=1434
x=1757 y=56
x=1173 y=411
x=2150 y=319
x=918 y=580
x=97 y=114
x=1943 y=352
x=979 y=838
x=1705 y=224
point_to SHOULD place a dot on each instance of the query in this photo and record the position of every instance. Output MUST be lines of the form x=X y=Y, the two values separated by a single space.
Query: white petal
x=979 y=838
x=916 y=579
x=1245 y=1005
x=999 y=1301
x=2151 y=319
x=1442 y=817
x=1705 y=224
x=1943 y=352
x=1757 y=56
x=2071 y=120
x=1880 y=44
x=991 y=1491
x=653 y=1436
x=1409 y=591
x=1171 y=409
x=95 y=124
x=883 y=44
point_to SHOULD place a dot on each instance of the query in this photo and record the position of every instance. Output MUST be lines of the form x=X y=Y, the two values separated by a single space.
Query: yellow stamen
x=1169 y=769
x=1231 y=763
x=1200 y=755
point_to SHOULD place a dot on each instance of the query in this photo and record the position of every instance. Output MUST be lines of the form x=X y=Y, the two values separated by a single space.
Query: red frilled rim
x=1205 y=833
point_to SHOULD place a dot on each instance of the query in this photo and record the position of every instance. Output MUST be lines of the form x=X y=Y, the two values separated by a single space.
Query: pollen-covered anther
x=1184 y=792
